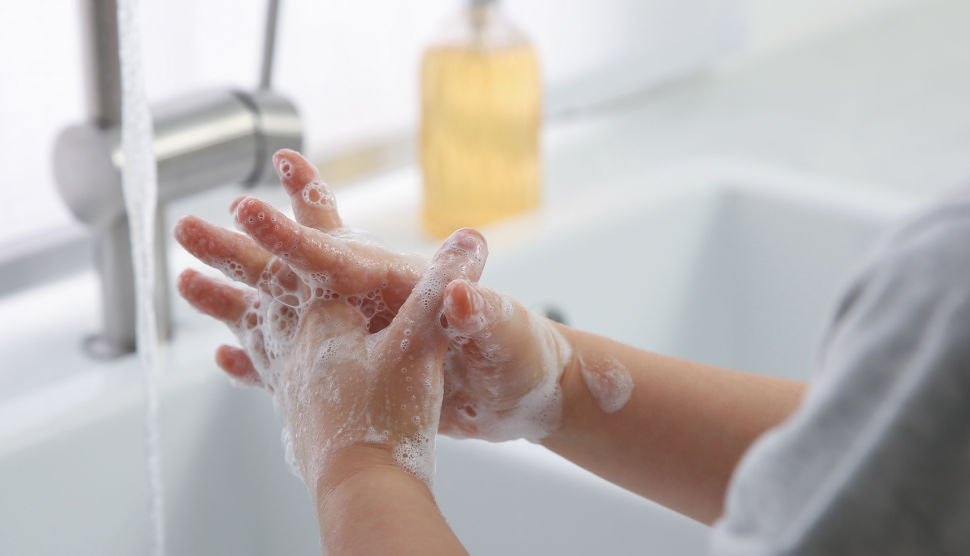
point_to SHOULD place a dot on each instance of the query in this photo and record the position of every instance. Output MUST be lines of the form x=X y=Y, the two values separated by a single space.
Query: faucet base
x=100 y=347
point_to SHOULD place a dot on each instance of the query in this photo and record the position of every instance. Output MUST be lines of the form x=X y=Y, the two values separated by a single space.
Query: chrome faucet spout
x=201 y=141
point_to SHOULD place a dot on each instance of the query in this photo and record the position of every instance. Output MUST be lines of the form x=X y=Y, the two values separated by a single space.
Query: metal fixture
x=269 y=44
x=551 y=312
x=201 y=141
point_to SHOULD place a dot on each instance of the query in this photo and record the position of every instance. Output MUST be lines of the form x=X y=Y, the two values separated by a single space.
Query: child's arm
x=683 y=430
x=509 y=373
x=665 y=428
x=370 y=506
x=360 y=409
x=348 y=339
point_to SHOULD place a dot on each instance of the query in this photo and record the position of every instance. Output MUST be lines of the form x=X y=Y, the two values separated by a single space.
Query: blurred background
x=352 y=67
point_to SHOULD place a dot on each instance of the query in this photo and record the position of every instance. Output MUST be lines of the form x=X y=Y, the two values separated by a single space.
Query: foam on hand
x=317 y=194
x=331 y=383
x=492 y=392
x=269 y=332
x=608 y=381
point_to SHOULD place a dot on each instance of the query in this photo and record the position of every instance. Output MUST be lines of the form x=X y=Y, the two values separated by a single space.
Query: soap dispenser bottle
x=481 y=108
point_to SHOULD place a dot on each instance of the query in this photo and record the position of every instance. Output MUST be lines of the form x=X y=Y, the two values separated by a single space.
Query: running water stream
x=140 y=185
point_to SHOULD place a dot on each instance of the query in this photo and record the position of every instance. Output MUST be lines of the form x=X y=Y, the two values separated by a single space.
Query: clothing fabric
x=877 y=458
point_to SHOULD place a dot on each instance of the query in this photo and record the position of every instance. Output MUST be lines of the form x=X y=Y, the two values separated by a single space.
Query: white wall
x=40 y=78
x=774 y=24
x=351 y=65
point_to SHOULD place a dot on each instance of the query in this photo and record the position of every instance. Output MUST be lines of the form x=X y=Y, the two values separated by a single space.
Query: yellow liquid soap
x=481 y=111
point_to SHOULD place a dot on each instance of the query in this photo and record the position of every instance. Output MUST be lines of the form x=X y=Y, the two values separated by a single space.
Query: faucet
x=202 y=140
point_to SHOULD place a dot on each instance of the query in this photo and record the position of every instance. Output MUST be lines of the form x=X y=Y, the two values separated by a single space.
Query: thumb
x=504 y=369
x=495 y=335
x=482 y=316
x=411 y=353
x=418 y=329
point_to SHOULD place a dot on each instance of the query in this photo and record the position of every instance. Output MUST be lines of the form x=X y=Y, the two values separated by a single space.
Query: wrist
x=366 y=504
x=569 y=379
x=352 y=465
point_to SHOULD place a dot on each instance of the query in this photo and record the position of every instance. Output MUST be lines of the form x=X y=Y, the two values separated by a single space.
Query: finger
x=465 y=309
x=478 y=312
x=213 y=296
x=235 y=203
x=415 y=342
x=313 y=203
x=237 y=365
x=487 y=323
x=332 y=262
x=504 y=367
x=237 y=256
x=492 y=330
x=462 y=256
x=274 y=232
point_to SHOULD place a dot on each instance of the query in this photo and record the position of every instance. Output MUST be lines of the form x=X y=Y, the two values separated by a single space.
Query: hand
x=377 y=279
x=310 y=337
x=503 y=367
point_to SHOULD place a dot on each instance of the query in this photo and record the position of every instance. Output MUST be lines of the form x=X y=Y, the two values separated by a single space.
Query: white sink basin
x=727 y=270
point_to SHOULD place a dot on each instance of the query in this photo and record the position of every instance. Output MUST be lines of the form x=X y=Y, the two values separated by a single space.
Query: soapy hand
x=503 y=367
x=345 y=366
x=504 y=362
x=344 y=332
x=317 y=243
x=338 y=384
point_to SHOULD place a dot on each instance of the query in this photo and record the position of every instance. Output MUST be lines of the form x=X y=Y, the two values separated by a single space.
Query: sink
x=738 y=268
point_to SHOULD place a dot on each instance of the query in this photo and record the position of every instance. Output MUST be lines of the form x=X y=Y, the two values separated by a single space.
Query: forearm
x=367 y=505
x=683 y=430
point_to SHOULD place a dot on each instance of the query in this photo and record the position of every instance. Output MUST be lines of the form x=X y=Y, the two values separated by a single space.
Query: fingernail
x=468 y=245
x=184 y=281
x=466 y=314
x=178 y=230
x=285 y=168
x=471 y=241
